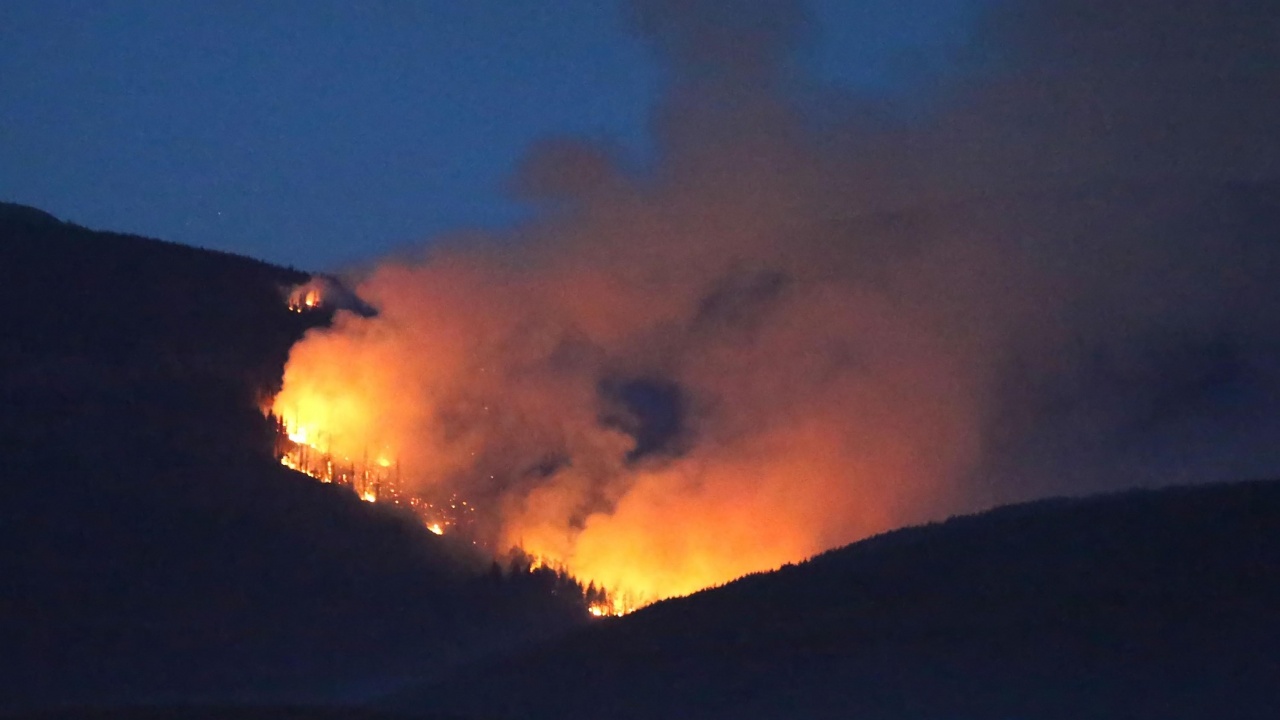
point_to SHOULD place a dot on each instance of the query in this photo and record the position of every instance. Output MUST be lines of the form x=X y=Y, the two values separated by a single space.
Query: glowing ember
x=607 y=610
x=435 y=528
x=304 y=298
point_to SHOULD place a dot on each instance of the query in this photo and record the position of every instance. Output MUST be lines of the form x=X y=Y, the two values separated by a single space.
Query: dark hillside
x=74 y=296
x=151 y=548
x=180 y=712
x=1155 y=604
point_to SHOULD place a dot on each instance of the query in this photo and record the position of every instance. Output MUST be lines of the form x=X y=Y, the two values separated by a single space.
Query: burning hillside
x=655 y=430
x=373 y=478
x=376 y=478
x=710 y=394
x=786 y=335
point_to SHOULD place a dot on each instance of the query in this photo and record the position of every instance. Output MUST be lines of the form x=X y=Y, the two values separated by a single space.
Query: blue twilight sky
x=318 y=132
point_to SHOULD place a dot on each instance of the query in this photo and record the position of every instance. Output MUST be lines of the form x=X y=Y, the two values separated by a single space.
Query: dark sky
x=321 y=132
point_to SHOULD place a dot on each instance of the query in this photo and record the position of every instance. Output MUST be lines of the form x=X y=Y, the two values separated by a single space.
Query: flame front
x=380 y=481
x=372 y=481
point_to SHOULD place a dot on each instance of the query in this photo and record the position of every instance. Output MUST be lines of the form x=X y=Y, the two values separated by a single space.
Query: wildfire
x=606 y=610
x=369 y=481
x=378 y=479
x=304 y=299
x=432 y=413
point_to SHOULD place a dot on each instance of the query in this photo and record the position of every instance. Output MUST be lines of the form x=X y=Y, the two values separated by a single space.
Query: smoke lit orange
x=806 y=408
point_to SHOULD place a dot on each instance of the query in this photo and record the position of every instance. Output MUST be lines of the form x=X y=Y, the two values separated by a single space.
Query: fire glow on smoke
x=783 y=336
x=668 y=380
x=652 y=422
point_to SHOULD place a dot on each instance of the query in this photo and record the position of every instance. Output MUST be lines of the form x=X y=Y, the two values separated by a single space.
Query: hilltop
x=1148 y=604
x=152 y=548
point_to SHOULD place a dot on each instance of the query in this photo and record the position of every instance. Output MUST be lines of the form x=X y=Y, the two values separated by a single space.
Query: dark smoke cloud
x=781 y=339
x=1083 y=90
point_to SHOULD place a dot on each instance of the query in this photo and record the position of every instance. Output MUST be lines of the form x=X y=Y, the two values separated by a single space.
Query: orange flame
x=305 y=297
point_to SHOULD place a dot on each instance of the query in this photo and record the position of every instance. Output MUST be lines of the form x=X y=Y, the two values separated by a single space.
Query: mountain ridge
x=1099 y=600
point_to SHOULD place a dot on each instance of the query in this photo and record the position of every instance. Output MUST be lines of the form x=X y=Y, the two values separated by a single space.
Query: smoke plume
x=788 y=335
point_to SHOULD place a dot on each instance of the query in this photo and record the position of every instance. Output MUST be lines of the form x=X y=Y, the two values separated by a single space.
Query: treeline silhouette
x=1147 y=604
